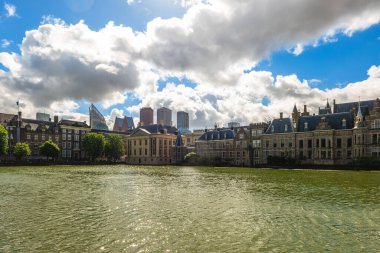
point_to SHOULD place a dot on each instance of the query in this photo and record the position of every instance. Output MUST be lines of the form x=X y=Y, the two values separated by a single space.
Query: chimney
x=19 y=116
x=281 y=115
x=305 y=108
x=49 y=119
x=55 y=119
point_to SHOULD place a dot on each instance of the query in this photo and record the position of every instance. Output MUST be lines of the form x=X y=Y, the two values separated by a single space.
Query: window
x=64 y=145
x=146 y=142
x=376 y=123
x=241 y=136
x=282 y=143
x=323 y=143
x=68 y=145
x=36 y=137
x=272 y=129
x=339 y=143
x=349 y=142
x=256 y=143
x=309 y=154
x=68 y=153
x=300 y=144
x=76 y=137
x=76 y=131
x=286 y=128
x=344 y=123
x=69 y=131
x=63 y=137
x=146 y=151
x=140 y=142
x=64 y=130
x=305 y=125
x=28 y=136
x=69 y=137
x=309 y=143
x=42 y=137
x=76 y=145
x=56 y=139
x=63 y=153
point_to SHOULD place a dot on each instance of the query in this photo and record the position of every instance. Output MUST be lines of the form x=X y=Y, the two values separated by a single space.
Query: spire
x=178 y=141
x=295 y=109
x=327 y=104
x=359 y=110
x=359 y=121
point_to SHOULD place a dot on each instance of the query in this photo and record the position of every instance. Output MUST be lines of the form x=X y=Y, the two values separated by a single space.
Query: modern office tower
x=42 y=116
x=97 y=120
x=164 y=116
x=146 y=116
x=182 y=120
x=123 y=124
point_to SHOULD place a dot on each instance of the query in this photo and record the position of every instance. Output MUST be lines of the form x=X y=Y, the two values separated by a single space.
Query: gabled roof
x=279 y=126
x=5 y=118
x=222 y=134
x=334 y=120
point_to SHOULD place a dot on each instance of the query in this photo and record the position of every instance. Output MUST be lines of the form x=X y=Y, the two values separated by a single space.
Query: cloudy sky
x=219 y=60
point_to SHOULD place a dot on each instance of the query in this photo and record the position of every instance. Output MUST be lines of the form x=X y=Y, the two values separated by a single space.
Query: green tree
x=49 y=149
x=114 y=147
x=21 y=149
x=3 y=140
x=93 y=144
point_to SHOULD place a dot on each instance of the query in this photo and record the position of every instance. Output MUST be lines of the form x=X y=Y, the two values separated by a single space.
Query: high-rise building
x=42 y=116
x=146 y=116
x=182 y=120
x=97 y=120
x=164 y=116
x=123 y=124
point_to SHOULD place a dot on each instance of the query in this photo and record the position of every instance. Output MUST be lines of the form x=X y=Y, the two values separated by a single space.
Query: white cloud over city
x=212 y=44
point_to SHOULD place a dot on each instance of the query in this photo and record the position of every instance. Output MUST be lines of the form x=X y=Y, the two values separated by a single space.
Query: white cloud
x=130 y=2
x=5 y=43
x=10 y=9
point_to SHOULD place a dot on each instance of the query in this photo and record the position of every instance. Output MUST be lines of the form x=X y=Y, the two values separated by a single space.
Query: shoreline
x=274 y=167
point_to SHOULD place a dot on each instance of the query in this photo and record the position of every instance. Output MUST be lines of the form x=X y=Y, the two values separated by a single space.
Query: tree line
x=94 y=144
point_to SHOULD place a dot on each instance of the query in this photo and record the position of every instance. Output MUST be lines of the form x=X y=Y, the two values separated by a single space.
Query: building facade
x=123 y=124
x=164 y=116
x=97 y=120
x=146 y=116
x=182 y=120
x=151 y=145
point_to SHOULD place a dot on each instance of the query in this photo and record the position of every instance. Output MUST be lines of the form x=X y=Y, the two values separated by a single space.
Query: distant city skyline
x=217 y=60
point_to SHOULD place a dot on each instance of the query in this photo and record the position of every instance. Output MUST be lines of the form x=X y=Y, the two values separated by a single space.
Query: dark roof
x=278 y=126
x=334 y=120
x=222 y=134
x=158 y=129
x=347 y=107
x=73 y=123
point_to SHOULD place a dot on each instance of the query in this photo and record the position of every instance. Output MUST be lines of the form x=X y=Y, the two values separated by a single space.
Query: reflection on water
x=187 y=209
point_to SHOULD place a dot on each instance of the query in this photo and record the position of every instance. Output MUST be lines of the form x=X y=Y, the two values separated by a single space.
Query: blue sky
x=336 y=52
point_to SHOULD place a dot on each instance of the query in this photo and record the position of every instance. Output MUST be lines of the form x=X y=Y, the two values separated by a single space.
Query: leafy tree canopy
x=49 y=149
x=114 y=147
x=93 y=144
x=3 y=140
x=21 y=149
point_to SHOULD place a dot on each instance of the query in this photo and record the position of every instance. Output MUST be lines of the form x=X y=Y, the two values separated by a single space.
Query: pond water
x=187 y=209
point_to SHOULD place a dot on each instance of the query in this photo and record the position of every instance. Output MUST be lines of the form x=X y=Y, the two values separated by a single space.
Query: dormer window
x=286 y=128
x=272 y=129
x=306 y=125
x=344 y=123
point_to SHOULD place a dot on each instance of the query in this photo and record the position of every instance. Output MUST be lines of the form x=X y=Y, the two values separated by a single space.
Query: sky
x=219 y=60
